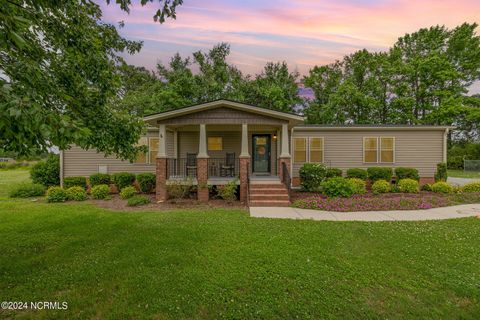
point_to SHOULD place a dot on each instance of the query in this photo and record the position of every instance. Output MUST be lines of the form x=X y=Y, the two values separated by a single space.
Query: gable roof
x=291 y=117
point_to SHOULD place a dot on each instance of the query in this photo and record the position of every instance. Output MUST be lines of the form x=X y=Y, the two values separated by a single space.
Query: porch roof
x=292 y=118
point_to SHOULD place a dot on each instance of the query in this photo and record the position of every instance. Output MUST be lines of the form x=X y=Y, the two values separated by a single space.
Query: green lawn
x=224 y=264
x=8 y=178
x=463 y=174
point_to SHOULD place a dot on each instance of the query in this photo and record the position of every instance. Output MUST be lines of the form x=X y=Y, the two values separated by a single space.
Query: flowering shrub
x=380 y=186
x=100 y=192
x=442 y=187
x=472 y=187
x=128 y=192
x=359 y=185
x=427 y=187
x=408 y=186
x=227 y=192
x=357 y=173
x=56 y=194
x=373 y=203
x=76 y=193
x=312 y=175
x=338 y=187
x=137 y=200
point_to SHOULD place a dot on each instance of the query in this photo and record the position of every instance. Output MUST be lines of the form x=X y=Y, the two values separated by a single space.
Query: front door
x=261 y=153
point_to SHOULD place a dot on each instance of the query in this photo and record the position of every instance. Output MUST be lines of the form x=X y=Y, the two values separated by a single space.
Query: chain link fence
x=471 y=165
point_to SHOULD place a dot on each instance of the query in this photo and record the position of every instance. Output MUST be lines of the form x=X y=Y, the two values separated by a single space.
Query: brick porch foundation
x=202 y=179
x=281 y=161
x=161 y=184
x=243 y=170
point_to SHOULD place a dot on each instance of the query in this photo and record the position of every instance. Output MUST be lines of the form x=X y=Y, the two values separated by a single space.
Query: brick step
x=270 y=203
x=279 y=187
x=267 y=197
x=268 y=191
x=267 y=186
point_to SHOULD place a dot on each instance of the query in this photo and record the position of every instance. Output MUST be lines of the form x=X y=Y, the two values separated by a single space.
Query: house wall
x=80 y=162
x=420 y=149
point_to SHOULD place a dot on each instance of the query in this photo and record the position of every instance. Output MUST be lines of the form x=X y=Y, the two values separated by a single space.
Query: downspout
x=61 y=168
x=291 y=157
x=445 y=137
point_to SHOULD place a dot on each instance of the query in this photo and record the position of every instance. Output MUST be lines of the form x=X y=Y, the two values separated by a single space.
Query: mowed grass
x=464 y=174
x=9 y=178
x=224 y=264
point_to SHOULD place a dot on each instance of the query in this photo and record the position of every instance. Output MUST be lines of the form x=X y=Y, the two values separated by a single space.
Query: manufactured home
x=262 y=149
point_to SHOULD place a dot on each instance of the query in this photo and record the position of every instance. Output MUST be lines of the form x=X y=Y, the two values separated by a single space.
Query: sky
x=304 y=33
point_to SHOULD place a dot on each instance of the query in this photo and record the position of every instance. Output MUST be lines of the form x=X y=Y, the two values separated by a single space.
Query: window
x=387 y=147
x=142 y=157
x=300 y=150
x=379 y=150
x=316 y=149
x=215 y=144
x=153 y=150
x=370 y=146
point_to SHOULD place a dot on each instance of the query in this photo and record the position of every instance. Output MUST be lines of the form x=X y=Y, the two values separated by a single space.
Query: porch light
x=274 y=137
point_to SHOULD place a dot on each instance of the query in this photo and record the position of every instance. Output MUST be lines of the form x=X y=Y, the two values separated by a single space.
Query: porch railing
x=220 y=167
x=180 y=168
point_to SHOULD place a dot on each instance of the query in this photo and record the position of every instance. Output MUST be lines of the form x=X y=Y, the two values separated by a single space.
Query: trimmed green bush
x=75 y=182
x=100 y=192
x=46 y=172
x=26 y=190
x=406 y=173
x=471 y=187
x=381 y=186
x=138 y=200
x=408 y=186
x=357 y=173
x=146 y=182
x=123 y=179
x=441 y=174
x=76 y=193
x=426 y=187
x=56 y=194
x=442 y=187
x=333 y=172
x=312 y=175
x=338 y=187
x=99 y=178
x=228 y=191
x=380 y=173
x=128 y=192
x=360 y=186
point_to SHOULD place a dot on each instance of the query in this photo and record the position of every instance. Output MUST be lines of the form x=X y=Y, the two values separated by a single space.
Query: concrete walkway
x=461 y=211
x=461 y=181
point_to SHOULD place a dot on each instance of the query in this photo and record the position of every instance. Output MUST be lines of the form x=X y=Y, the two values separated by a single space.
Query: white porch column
x=244 y=152
x=285 y=151
x=162 y=137
x=202 y=143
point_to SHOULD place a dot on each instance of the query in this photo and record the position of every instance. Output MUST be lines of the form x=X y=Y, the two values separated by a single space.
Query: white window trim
x=380 y=148
x=323 y=149
x=306 y=149
x=363 y=149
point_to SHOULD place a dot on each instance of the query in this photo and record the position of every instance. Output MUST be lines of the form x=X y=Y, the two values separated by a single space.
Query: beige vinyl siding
x=80 y=162
x=420 y=149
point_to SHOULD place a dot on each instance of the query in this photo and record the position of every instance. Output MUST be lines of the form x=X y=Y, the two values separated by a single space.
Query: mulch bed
x=118 y=204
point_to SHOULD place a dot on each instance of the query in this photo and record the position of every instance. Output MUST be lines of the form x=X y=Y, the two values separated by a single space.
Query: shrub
x=100 y=192
x=360 y=186
x=99 y=178
x=179 y=189
x=46 y=172
x=75 y=182
x=408 y=186
x=227 y=191
x=357 y=173
x=76 y=193
x=406 y=173
x=471 y=187
x=138 y=200
x=333 y=172
x=441 y=174
x=56 y=194
x=128 y=192
x=338 y=187
x=312 y=175
x=26 y=190
x=380 y=173
x=123 y=179
x=381 y=186
x=146 y=182
x=442 y=187
x=426 y=187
